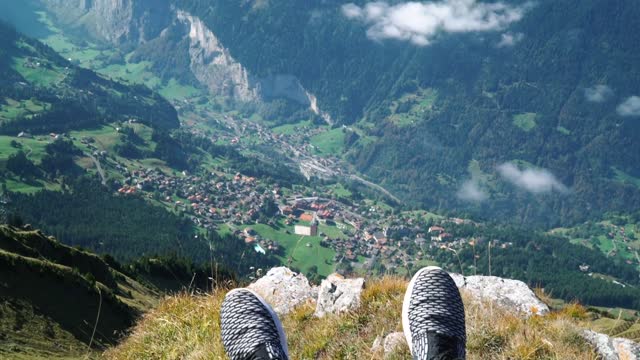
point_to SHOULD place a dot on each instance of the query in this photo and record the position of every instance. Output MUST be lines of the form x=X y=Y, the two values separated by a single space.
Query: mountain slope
x=41 y=92
x=435 y=124
x=59 y=295
x=465 y=100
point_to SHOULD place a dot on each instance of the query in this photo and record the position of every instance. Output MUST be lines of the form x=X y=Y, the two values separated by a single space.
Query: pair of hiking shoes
x=432 y=320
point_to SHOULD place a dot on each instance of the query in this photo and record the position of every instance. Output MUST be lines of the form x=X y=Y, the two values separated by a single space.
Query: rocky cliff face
x=117 y=21
x=213 y=65
x=128 y=23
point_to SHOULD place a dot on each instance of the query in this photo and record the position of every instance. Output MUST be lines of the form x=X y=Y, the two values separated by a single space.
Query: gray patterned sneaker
x=433 y=316
x=251 y=329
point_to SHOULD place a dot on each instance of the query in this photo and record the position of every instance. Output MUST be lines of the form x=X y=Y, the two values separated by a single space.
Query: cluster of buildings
x=208 y=200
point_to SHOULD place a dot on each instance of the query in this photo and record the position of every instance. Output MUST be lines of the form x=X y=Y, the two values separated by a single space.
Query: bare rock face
x=213 y=65
x=132 y=23
x=612 y=348
x=510 y=294
x=338 y=295
x=116 y=21
x=283 y=289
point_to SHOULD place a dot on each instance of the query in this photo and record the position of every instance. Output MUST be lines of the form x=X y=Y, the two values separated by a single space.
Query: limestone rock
x=393 y=341
x=283 y=289
x=338 y=294
x=511 y=294
x=377 y=345
x=613 y=348
x=388 y=345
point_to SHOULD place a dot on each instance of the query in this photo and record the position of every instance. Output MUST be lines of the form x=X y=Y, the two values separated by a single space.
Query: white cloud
x=351 y=11
x=471 y=191
x=533 y=180
x=630 y=107
x=598 y=93
x=510 y=39
x=421 y=22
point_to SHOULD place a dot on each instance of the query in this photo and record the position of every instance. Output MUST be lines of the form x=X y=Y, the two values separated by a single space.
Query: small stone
x=377 y=345
x=393 y=341
x=283 y=289
x=612 y=348
x=337 y=295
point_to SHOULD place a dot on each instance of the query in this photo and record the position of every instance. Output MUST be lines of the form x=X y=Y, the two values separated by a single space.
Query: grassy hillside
x=188 y=327
x=60 y=296
x=617 y=237
x=42 y=92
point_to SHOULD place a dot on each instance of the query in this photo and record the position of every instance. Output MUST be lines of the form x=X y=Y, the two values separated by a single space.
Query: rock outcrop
x=338 y=295
x=393 y=341
x=612 y=348
x=511 y=294
x=116 y=21
x=283 y=289
x=130 y=23
x=389 y=345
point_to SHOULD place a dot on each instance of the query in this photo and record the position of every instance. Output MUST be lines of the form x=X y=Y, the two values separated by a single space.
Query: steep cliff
x=144 y=26
x=117 y=21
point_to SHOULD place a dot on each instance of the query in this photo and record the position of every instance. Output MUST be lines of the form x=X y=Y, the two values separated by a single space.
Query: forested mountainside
x=546 y=92
x=41 y=92
x=519 y=111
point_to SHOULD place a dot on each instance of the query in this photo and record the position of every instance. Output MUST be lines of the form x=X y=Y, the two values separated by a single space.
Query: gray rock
x=377 y=345
x=510 y=294
x=338 y=294
x=389 y=344
x=612 y=348
x=283 y=289
x=393 y=341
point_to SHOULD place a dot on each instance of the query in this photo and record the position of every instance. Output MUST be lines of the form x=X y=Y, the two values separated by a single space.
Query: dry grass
x=187 y=327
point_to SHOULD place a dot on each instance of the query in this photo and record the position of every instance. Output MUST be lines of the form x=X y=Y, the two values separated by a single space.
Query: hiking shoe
x=433 y=316
x=250 y=328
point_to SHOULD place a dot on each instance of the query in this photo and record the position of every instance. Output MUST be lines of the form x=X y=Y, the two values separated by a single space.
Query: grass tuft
x=187 y=327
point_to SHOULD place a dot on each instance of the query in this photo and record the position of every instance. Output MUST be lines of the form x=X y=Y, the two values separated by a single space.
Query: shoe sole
x=407 y=301
x=274 y=316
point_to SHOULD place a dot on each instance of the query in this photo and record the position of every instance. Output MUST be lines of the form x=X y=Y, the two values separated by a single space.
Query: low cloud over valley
x=420 y=22
x=536 y=181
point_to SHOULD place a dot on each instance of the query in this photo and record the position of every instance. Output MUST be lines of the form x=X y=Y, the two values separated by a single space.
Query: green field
x=290 y=129
x=423 y=215
x=139 y=73
x=97 y=58
x=526 y=121
x=599 y=236
x=12 y=109
x=297 y=253
x=34 y=148
x=411 y=109
x=106 y=137
x=39 y=75
x=341 y=191
x=86 y=55
x=330 y=142
x=176 y=91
